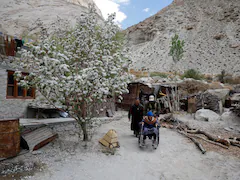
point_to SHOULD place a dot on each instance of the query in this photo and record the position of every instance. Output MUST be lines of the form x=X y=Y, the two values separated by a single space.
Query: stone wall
x=10 y=108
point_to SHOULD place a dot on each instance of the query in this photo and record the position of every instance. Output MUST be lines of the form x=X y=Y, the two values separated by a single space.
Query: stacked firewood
x=195 y=134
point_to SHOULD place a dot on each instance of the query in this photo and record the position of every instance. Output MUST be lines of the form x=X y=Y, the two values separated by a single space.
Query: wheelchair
x=150 y=136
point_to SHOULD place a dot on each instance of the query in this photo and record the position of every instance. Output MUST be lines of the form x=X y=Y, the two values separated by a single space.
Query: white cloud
x=146 y=9
x=122 y=1
x=112 y=6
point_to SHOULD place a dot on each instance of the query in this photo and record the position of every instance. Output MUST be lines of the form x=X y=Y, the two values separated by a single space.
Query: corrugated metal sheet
x=39 y=137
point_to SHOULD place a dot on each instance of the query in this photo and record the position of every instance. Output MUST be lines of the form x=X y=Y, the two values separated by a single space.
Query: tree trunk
x=212 y=142
x=199 y=145
x=84 y=129
x=84 y=123
x=210 y=137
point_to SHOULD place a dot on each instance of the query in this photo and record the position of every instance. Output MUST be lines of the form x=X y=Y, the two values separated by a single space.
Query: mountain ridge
x=211 y=30
x=18 y=17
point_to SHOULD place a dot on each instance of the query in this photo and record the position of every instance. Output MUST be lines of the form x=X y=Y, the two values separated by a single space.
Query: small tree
x=74 y=69
x=176 y=49
x=222 y=76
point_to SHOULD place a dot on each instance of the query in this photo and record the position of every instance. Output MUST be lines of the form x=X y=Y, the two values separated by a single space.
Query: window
x=15 y=91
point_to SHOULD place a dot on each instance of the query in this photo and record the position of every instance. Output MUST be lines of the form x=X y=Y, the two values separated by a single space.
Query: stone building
x=13 y=99
x=17 y=102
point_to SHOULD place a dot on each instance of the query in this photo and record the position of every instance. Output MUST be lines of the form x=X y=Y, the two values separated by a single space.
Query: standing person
x=136 y=112
x=152 y=106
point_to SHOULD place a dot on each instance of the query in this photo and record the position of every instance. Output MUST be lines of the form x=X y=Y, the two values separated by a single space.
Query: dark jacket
x=136 y=112
x=152 y=106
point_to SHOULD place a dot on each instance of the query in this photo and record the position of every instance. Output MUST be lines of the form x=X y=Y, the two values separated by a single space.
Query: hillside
x=210 y=28
x=18 y=17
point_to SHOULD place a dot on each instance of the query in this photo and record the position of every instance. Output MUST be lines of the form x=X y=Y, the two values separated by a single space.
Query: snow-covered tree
x=75 y=68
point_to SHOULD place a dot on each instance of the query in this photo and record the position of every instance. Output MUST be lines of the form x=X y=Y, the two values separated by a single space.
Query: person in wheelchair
x=150 y=127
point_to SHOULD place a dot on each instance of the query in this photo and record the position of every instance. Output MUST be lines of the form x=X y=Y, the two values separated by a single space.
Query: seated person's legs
x=155 y=130
x=145 y=132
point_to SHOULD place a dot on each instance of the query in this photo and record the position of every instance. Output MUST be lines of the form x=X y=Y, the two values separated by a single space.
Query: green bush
x=160 y=74
x=192 y=73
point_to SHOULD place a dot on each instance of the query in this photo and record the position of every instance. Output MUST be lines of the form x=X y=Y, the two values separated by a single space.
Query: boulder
x=235 y=97
x=229 y=116
x=231 y=120
x=206 y=115
x=216 y=85
x=220 y=93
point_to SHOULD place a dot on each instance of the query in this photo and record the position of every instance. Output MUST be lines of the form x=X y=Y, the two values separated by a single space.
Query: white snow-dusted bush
x=75 y=68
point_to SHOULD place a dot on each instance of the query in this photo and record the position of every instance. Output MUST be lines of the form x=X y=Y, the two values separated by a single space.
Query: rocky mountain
x=210 y=29
x=19 y=17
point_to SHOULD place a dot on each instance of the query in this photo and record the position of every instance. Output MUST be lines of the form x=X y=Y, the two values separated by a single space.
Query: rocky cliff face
x=18 y=17
x=210 y=29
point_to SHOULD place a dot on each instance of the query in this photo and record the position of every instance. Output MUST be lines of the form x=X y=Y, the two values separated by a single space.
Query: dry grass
x=192 y=87
x=232 y=80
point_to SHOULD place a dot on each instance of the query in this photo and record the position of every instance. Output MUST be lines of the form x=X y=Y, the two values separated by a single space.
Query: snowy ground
x=175 y=158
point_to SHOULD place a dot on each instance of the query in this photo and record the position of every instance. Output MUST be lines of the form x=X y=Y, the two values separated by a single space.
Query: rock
x=234 y=45
x=219 y=36
x=189 y=27
x=37 y=152
x=216 y=85
x=235 y=97
x=206 y=115
x=210 y=102
x=230 y=117
x=220 y=93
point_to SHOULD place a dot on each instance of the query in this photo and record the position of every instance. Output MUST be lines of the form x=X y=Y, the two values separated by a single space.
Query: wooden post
x=137 y=92
x=178 y=99
x=168 y=99
x=6 y=46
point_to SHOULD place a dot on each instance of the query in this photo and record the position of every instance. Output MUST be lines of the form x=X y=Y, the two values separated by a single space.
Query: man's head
x=151 y=98
x=150 y=115
x=137 y=102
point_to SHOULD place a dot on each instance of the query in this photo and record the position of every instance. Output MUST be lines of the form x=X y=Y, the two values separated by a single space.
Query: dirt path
x=176 y=158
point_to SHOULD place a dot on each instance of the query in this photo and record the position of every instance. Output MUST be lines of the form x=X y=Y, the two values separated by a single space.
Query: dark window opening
x=15 y=91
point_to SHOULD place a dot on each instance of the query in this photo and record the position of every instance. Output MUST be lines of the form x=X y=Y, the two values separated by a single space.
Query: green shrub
x=160 y=74
x=192 y=73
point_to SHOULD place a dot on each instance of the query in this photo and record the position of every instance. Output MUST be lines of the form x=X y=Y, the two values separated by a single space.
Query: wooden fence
x=7 y=45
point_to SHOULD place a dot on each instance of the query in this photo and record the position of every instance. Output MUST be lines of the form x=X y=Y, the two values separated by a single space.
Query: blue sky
x=130 y=12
